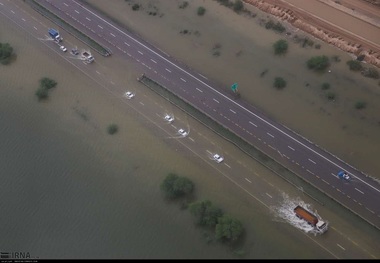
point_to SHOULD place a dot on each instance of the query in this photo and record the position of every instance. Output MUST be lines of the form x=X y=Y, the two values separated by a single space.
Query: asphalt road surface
x=360 y=194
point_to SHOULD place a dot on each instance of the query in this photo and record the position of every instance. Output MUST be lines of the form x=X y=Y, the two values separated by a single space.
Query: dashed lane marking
x=248 y=180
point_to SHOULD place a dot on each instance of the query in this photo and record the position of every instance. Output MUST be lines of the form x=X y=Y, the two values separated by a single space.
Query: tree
x=318 y=63
x=354 y=65
x=228 y=228
x=47 y=83
x=5 y=53
x=280 y=47
x=238 y=6
x=205 y=212
x=175 y=186
x=112 y=129
x=42 y=93
x=279 y=83
x=201 y=11
x=325 y=85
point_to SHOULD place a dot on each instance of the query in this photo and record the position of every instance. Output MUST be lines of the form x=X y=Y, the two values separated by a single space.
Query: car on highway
x=169 y=118
x=217 y=158
x=344 y=175
x=182 y=132
x=129 y=95
x=63 y=48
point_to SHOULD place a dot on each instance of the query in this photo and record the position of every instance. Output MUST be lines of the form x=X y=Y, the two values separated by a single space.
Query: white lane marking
x=1 y=4
x=183 y=80
x=88 y=18
x=168 y=70
x=232 y=111
x=248 y=180
x=35 y=28
x=97 y=72
x=23 y=19
x=270 y=135
x=199 y=90
x=340 y=246
x=141 y=103
x=140 y=52
x=215 y=100
x=100 y=26
x=153 y=61
x=227 y=98
x=126 y=44
x=309 y=171
x=227 y=165
x=359 y=190
x=291 y=148
x=76 y=11
x=65 y=4
x=312 y=161
x=202 y=76
x=268 y=195
x=191 y=139
x=112 y=35
x=253 y=124
x=208 y=151
x=113 y=83
x=12 y=11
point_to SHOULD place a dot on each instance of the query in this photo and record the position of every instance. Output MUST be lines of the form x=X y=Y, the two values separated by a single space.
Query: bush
x=6 y=52
x=228 y=229
x=135 y=7
x=279 y=83
x=325 y=86
x=360 y=105
x=280 y=47
x=47 y=83
x=278 y=27
x=112 y=129
x=206 y=213
x=354 y=65
x=238 y=6
x=331 y=95
x=183 y=5
x=201 y=11
x=42 y=93
x=318 y=63
x=317 y=46
x=371 y=73
x=175 y=186
x=269 y=24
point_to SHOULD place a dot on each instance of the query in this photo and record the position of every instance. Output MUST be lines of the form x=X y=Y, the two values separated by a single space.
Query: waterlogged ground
x=230 y=48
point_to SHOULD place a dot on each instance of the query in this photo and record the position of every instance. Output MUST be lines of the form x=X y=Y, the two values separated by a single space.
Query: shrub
x=206 y=213
x=360 y=105
x=269 y=24
x=279 y=27
x=331 y=95
x=6 y=52
x=279 y=83
x=238 y=6
x=201 y=11
x=183 y=5
x=228 y=228
x=371 y=73
x=42 y=93
x=280 y=47
x=325 y=86
x=354 y=65
x=318 y=63
x=135 y=7
x=318 y=46
x=112 y=129
x=175 y=186
x=47 y=83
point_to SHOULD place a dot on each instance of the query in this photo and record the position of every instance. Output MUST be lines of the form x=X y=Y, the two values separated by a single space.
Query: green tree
x=279 y=83
x=318 y=63
x=42 y=93
x=280 y=47
x=228 y=229
x=112 y=129
x=201 y=11
x=47 y=83
x=175 y=186
x=6 y=52
x=238 y=5
x=354 y=65
x=205 y=212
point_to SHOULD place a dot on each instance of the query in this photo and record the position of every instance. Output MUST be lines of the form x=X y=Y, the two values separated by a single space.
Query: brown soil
x=339 y=36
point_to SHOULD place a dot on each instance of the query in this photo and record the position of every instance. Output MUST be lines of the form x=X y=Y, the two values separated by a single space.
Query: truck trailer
x=311 y=219
x=54 y=34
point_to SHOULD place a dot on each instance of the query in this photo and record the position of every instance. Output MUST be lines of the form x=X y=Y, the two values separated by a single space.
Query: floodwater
x=72 y=191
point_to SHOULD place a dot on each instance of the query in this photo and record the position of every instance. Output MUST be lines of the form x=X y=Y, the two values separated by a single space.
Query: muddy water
x=71 y=191
x=246 y=52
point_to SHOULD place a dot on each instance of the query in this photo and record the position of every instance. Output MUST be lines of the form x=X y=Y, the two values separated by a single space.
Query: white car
x=217 y=158
x=129 y=95
x=182 y=132
x=63 y=48
x=169 y=118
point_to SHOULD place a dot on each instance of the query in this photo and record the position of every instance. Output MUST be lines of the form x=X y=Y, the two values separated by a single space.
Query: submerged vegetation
x=6 y=53
x=280 y=47
x=112 y=129
x=318 y=63
x=45 y=85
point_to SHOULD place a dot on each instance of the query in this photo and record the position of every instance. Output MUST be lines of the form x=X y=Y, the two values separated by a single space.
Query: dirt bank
x=340 y=36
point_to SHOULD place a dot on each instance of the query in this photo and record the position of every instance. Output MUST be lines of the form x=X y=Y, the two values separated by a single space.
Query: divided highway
x=360 y=194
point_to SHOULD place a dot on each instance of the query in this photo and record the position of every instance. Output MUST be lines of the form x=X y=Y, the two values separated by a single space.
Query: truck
x=87 y=56
x=311 y=219
x=55 y=35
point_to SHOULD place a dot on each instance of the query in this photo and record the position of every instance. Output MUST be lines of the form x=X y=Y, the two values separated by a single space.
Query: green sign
x=234 y=87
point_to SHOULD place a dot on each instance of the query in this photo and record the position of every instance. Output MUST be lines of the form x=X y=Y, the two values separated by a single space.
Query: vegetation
x=175 y=186
x=6 y=52
x=279 y=83
x=112 y=129
x=201 y=11
x=225 y=3
x=135 y=7
x=370 y=73
x=238 y=6
x=354 y=65
x=183 y=5
x=317 y=46
x=331 y=95
x=280 y=47
x=360 y=105
x=206 y=213
x=45 y=84
x=325 y=86
x=228 y=229
x=318 y=63
x=278 y=27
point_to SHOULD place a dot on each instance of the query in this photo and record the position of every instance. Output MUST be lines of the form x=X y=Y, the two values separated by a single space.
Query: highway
x=318 y=167
x=250 y=181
